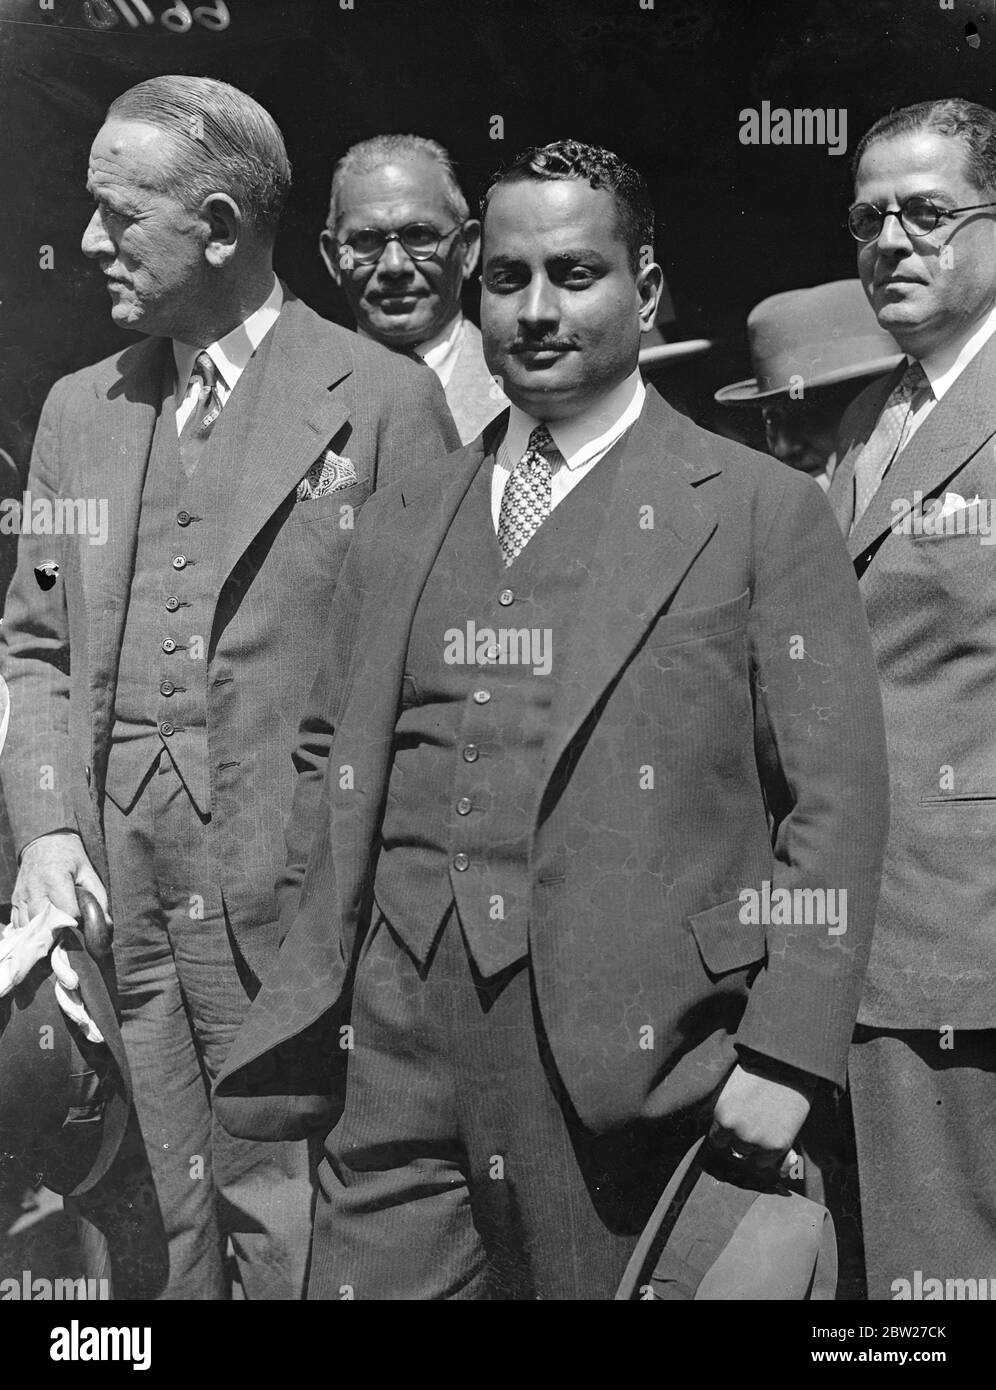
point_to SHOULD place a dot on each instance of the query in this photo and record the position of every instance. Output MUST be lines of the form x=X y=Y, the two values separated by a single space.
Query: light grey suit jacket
x=931 y=604
x=276 y=573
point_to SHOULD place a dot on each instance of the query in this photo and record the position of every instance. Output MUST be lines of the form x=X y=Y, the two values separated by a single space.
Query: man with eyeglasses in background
x=916 y=460
x=399 y=244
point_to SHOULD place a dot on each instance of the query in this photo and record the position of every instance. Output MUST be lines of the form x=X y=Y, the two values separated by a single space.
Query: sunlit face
x=149 y=246
x=399 y=300
x=562 y=310
x=926 y=290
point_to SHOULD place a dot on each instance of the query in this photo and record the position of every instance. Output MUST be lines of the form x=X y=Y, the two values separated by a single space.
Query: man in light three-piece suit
x=584 y=699
x=914 y=492
x=158 y=683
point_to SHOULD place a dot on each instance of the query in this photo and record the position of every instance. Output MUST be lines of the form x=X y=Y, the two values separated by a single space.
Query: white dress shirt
x=230 y=355
x=944 y=367
x=441 y=351
x=582 y=440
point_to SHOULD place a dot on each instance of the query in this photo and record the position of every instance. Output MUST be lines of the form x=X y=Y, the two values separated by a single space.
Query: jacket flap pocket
x=724 y=941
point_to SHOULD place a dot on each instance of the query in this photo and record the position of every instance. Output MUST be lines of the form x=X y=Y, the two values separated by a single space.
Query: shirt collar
x=231 y=353
x=944 y=366
x=583 y=436
x=436 y=349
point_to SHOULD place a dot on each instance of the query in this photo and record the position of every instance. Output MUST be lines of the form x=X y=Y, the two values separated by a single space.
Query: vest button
x=506 y=597
x=183 y=518
x=179 y=562
x=169 y=645
x=461 y=862
x=470 y=753
x=172 y=603
x=166 y=687
x=464 y=806
x=166 y=728
x=481 y=697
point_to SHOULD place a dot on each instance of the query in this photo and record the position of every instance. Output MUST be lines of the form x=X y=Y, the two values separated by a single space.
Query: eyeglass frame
x=398 y=237
x=897 y=212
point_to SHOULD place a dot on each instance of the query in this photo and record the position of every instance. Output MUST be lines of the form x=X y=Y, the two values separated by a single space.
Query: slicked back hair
x=967 y=121
x=570 y=159
x=368 y=155
x=222 y=141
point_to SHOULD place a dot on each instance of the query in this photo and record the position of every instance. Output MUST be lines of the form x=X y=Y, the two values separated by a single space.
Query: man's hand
x=51 y=867
x=756 y=1119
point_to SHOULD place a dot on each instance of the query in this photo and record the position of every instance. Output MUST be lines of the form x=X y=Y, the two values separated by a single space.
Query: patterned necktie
x=207 y=408
x=525 y=503
x=887 y=438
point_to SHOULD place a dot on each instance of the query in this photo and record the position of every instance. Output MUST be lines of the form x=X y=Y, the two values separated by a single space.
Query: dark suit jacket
x=713 y=565
x=277 y=572
x=931 y=604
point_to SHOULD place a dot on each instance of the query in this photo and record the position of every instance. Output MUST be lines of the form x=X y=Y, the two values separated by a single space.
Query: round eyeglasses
x=918 y=216
x=420 y=239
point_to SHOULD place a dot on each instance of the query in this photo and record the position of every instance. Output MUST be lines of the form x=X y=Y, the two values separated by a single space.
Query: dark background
x=663 y=87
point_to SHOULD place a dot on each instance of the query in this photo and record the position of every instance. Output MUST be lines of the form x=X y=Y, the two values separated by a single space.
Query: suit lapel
x=125 y=415
x=841 y=494
x=297 y=418
x=635 y=569
x=636 y=566
x=425 y=507
x=956 y=428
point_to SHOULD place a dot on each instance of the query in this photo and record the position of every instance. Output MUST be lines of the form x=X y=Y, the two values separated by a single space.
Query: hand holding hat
x=21 y=948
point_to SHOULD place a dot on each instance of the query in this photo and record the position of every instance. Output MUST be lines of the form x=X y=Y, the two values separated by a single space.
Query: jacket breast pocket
x=694 y=624
x=726 y=943
x=337 y=506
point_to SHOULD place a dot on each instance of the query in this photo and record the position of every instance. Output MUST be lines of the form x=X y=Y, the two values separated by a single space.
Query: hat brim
x=673 y=352
x=747 y=393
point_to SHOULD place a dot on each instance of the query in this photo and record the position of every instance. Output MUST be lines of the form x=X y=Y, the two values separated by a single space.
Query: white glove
x=21 y=948
x=67 y=992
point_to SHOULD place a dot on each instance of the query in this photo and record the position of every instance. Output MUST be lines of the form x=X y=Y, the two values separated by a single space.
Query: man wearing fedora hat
x=812 y=351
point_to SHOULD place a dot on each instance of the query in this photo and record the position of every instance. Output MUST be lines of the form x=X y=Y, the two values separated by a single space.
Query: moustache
x=542 y=345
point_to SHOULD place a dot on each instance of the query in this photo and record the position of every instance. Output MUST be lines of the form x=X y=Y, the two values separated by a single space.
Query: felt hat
x=812 y=338
x=716 y=1235
x=64 y=1101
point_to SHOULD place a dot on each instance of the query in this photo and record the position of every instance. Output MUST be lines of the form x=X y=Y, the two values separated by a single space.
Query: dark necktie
x=525 y=503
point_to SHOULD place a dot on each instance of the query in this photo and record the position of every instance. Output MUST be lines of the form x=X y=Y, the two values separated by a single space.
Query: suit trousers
x=925 y=1121
x=183 y=992
x=458 y=1169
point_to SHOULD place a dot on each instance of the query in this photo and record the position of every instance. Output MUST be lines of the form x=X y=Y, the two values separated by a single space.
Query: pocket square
x=329 y=473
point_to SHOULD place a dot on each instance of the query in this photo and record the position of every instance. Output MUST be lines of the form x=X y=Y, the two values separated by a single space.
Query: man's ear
x=649 y=285
x=224 y=228
x=330 y=255
x=471 y=246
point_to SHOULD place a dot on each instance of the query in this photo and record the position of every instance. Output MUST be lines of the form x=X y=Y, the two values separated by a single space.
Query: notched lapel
x=117 y=449
x=956 y=429
x=299 y=418
x=423 y=508
x=636 y=566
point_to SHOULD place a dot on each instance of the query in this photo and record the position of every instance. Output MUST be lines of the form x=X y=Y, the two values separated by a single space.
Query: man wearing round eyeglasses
x=399 y=244
x=912 y=491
